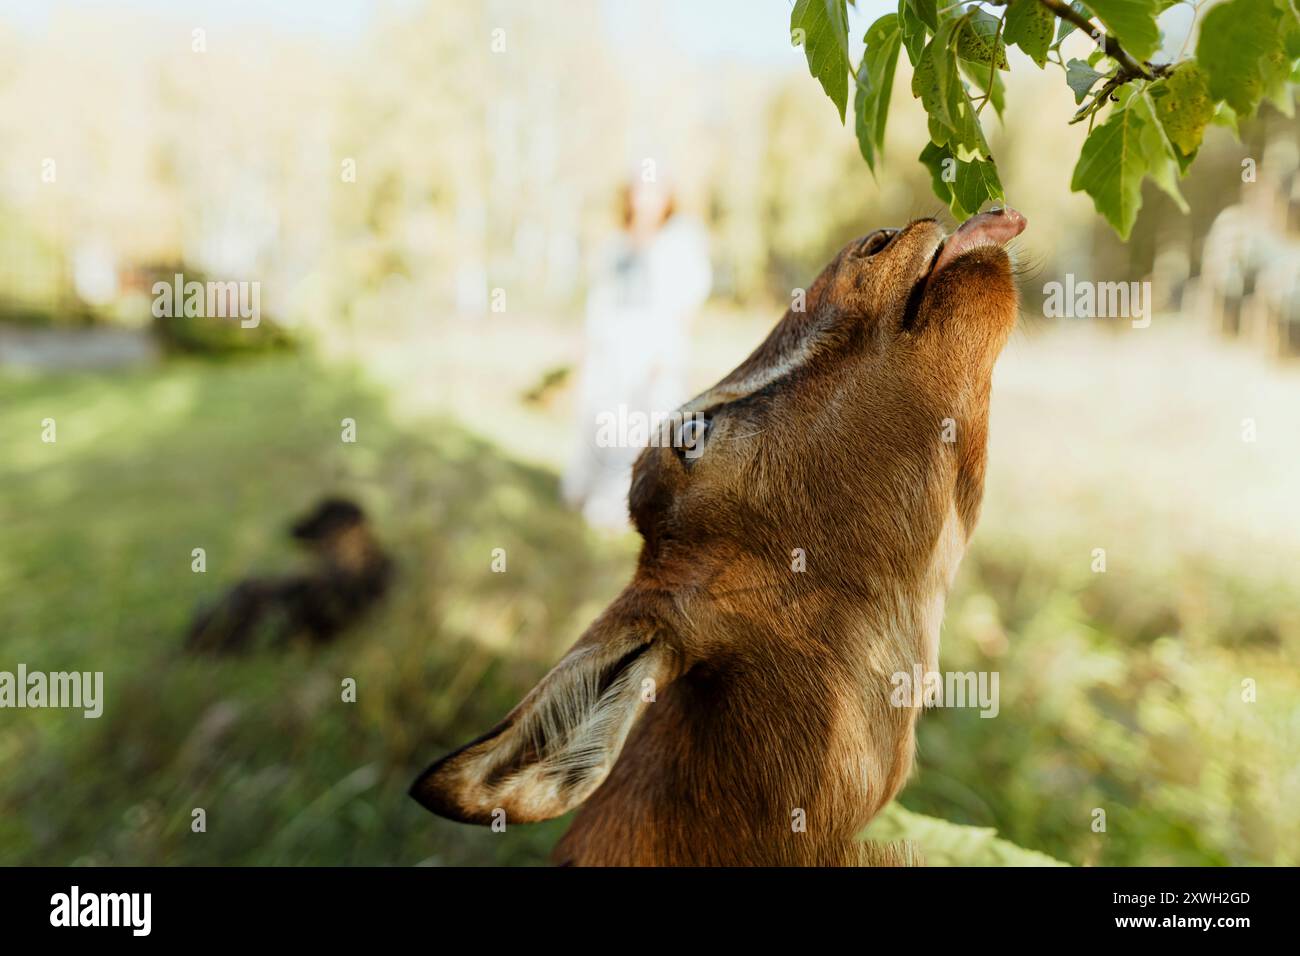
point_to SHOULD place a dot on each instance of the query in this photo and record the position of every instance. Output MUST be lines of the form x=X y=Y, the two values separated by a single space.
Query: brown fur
x=725 y=691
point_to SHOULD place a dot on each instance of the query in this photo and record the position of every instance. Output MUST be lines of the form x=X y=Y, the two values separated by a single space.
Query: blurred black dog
x=352 y=573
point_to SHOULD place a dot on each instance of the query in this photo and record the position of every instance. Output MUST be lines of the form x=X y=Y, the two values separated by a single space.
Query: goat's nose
x=1012 y=216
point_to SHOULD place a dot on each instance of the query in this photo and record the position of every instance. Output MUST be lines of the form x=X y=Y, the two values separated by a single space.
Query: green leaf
x=929 y=90
x=1291 y=30
x=1185 y=162
x=1030 y=26
x=952 y=118
x=932 y=158
x=1110 y=169
x=975 y=35
x=935 y=76
x=1067 y=27
x=963 y=186
x=913 y=31
x=822 y=26
x=875 y=82
x=927 y=11
x=965 y=135
x=1158 y=152
x=1081 y=78
x=1236 y=38
x=1184 y=107
x=1132 y=23
x=1276 y=67
x=977 y=182
x=942 y=843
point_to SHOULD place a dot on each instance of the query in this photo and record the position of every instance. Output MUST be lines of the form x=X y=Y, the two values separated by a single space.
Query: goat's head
x=818 y=478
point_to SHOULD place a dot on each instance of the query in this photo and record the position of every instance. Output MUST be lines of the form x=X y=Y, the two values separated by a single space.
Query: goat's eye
x=689 y=441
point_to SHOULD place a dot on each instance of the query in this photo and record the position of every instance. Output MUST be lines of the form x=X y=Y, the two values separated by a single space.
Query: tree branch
x=1129 y=68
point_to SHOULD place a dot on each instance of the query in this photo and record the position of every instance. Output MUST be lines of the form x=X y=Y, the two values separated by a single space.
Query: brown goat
x=800 y=535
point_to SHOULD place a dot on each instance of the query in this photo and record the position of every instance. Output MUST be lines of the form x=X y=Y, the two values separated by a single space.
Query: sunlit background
x=424 y=214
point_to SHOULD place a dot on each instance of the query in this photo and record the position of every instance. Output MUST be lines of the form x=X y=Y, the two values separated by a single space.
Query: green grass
x=95 y=575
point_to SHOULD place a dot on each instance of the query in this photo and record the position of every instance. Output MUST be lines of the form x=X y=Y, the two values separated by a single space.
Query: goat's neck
x=778 y=758
x=781 y=752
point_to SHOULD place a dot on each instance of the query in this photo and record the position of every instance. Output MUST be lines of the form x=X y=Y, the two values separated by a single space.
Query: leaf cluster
x=1146 y=117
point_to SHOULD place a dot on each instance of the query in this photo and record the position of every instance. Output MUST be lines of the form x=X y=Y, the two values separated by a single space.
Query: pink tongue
x=993 y=228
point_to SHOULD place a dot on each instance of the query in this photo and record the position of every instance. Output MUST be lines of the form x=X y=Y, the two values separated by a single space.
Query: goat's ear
x=558 y=744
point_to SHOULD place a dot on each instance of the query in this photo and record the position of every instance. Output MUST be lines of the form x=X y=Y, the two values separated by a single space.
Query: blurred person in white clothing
x=651 y=278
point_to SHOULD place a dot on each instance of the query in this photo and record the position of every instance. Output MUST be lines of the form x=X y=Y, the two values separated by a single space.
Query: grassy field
x=95 y=575
x=1120 y=691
